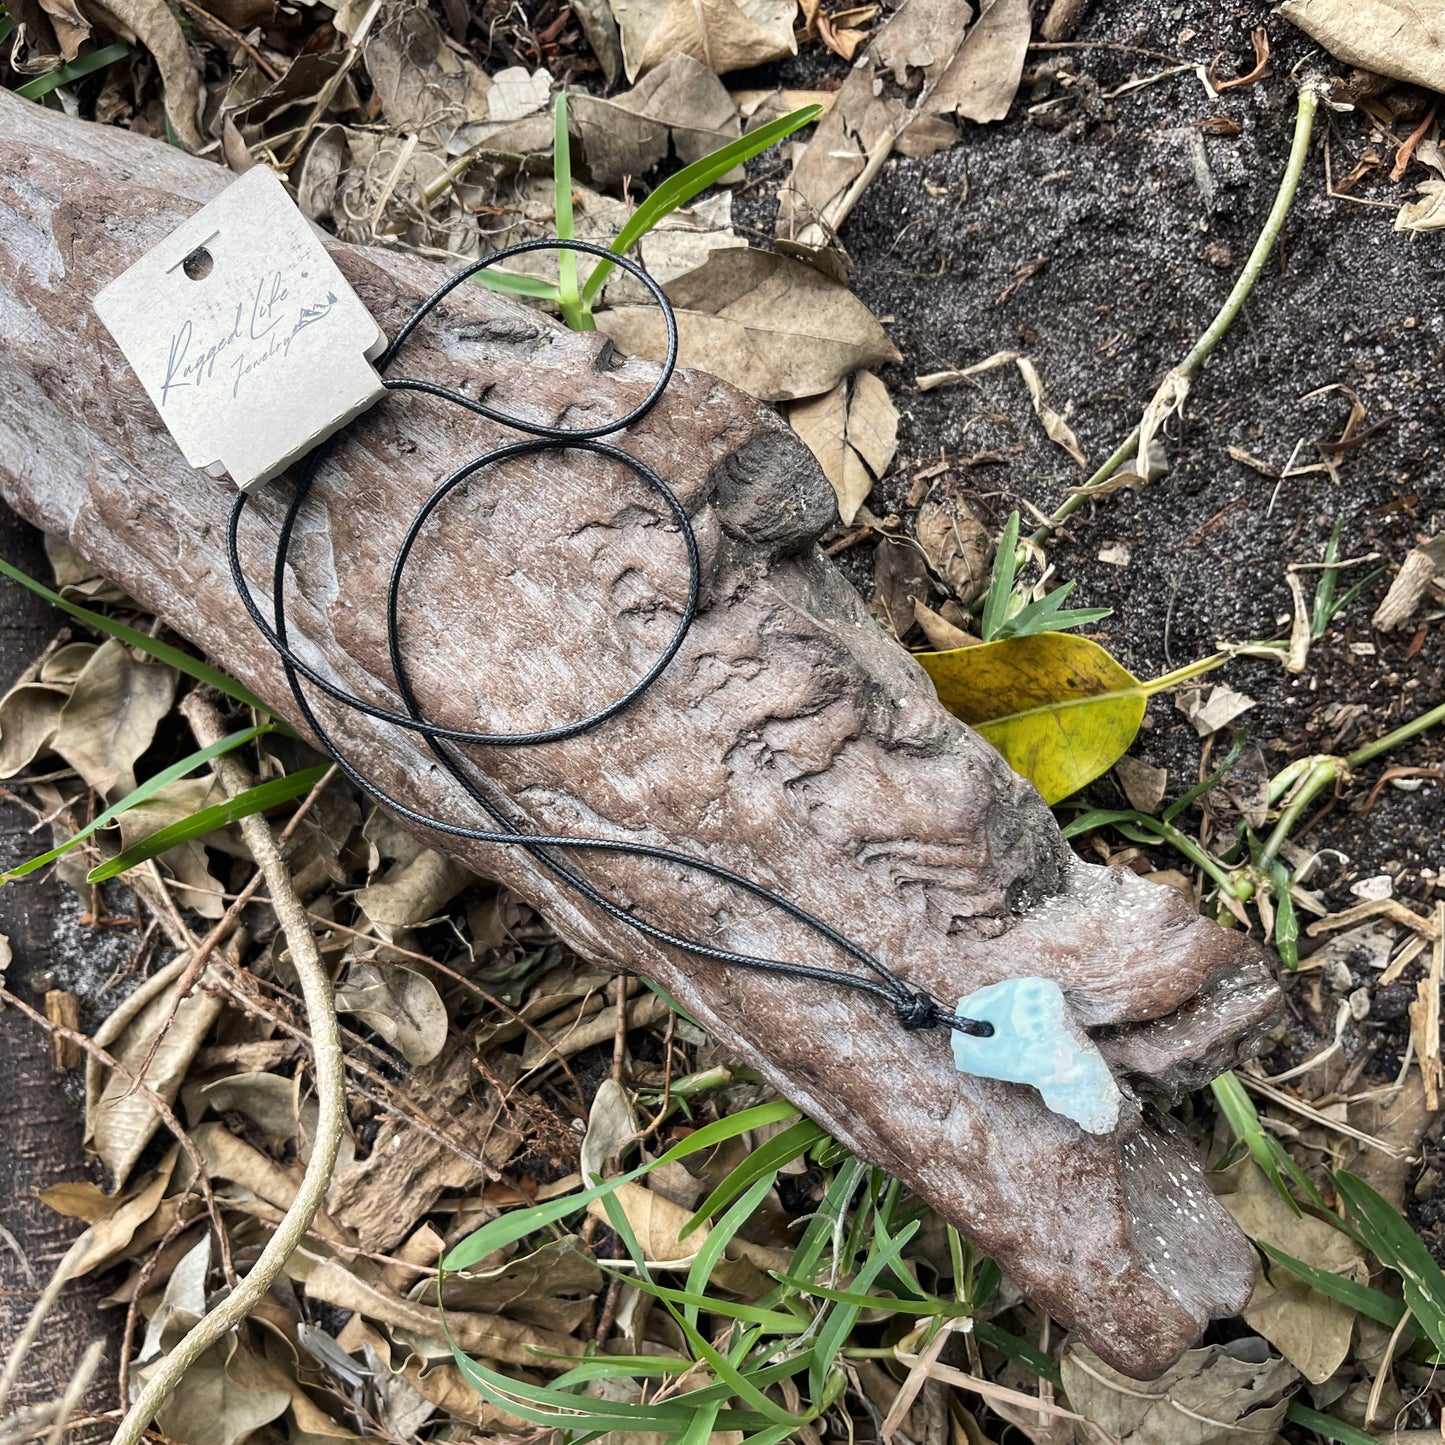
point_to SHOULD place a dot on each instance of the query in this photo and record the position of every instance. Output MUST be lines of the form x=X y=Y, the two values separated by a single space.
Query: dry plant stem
x=74 y=1390
x=206 y=723
x=226 y=926
x=168 y=1118
x=1224 y=318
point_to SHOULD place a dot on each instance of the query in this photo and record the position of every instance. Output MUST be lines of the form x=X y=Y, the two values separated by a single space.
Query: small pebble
x=1338 y=976
x=1392 y=1001
x=1360 y=1004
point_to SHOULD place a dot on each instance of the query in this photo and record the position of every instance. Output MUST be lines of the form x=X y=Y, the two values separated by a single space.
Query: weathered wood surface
x=790 y=739
x=40 y=1144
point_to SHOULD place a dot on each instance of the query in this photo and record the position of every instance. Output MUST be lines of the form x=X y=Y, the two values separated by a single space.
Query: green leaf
x=511 y=284
x=676 y=191
x=770 y=1156
x=78 y=68
x=931 y=1307
x=1045 y=615
x=1328 y=1426
x=162 y=651
x=1399 y=1248
x=147 y=789
x=1271 y=1156
x=1372 y=1303
x=720 y=1236
x=1060 y=709
x=254 y=800
x=1286 y=922
x=1020 y=1351
x=840 y=1322
x=1001 y=583
x=509 y=1228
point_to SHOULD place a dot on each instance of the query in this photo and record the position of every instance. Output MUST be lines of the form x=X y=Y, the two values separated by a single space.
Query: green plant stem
x=1183 y=674
x=1224 y=318
x=1402 y=734
x=1323 y=774
x=330 y=1090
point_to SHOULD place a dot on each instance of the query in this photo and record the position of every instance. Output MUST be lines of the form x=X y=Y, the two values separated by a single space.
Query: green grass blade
x=1327 y=1426
x=509 y=1228
x=1372 y=1303
x=568 y=295
x=678 y=190
x=207 y=820
x=779 y=1324
x=1243 y=1119
x=718 y=1239
x=1020 y=1351
x=1189 y=798
x=1399 y=1248
x=942 y=1309
x=1343 y=605
x=161 y=651
x=1099 y=818
x=1324 y=605
x=726 y=1373
x=608 y=1367
x=511 y=284
x=1001 y=583
x=147 y=789
x=840 y=1322
x=768 y=1157
x=77 y=69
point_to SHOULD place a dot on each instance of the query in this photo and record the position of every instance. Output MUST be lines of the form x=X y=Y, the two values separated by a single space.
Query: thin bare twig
x=206 y=723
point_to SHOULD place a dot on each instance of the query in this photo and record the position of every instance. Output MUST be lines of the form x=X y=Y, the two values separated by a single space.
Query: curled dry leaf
x=75 y=579
x=152 y=23
x=228 y=1394
x=111 y=717
x=400 y=1005
x=930 y=59
x=723 y=34
x=853 y=432
x=957 y=545
x=771 y=326
x=611 y=1124
x=53 y=31
x=1230 y=1394
x=942 y=635
x=1399 y=38
x=599 y=26
x=1210 y=709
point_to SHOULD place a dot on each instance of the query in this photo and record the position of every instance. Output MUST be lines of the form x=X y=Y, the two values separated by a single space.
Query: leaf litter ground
x=1088 y=235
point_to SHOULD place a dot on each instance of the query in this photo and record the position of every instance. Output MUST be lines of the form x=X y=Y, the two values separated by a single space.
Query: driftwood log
x=790 y=739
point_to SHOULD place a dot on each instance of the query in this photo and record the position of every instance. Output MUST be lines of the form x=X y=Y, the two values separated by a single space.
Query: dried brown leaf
x=111 y=717
x=401 y=1005
x=957 y=545
x=29 y=716
x=427 y=86
x=1233 y=1394
x=122 y=1121
x=228 y=1394
x=1399 y=38
x=1143 y=784
x=853 y=432
x=1311 y=1330
x=773 y=327
x=153 y=25
x=723 y=34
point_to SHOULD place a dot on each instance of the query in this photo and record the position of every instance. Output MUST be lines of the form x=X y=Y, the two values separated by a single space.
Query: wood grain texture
x=790 y=739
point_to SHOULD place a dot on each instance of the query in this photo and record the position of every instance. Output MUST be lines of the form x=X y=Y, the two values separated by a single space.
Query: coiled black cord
x=914 y=1009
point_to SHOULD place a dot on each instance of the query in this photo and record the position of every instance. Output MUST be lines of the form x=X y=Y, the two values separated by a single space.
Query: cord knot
x=917 y=1011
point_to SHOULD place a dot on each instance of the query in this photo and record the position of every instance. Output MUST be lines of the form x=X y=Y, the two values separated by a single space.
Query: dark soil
x=1138 y=261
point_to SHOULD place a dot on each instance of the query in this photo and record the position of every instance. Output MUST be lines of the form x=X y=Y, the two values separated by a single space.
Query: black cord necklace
x=914 y=1008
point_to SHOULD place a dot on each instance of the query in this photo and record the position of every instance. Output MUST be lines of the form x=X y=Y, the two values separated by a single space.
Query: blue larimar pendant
x=1032 y=1043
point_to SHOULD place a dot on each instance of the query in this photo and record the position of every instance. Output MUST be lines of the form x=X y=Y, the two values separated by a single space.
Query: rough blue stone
x=1032 y=1044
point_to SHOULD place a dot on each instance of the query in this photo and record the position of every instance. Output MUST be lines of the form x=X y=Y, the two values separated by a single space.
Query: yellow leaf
x=1059 y=708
